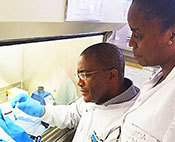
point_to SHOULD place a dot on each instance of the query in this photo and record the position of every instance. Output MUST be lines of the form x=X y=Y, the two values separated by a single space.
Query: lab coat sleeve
x=64 y=116
x=170 y=133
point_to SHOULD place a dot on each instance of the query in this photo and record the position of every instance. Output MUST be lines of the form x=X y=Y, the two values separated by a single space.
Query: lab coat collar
x=148 y=90
x=127 y=95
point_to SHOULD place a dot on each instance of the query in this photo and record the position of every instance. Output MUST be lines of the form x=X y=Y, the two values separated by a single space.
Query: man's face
x=149 y=43
x=95 y=88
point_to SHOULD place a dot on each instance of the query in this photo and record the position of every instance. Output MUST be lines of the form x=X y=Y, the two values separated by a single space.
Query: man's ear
x=113 y=74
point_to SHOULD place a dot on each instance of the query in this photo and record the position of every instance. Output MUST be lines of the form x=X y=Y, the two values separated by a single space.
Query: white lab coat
x=152 y=117
x=92 y=120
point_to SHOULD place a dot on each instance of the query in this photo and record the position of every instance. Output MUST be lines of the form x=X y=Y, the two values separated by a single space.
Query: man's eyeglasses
x=83 y=75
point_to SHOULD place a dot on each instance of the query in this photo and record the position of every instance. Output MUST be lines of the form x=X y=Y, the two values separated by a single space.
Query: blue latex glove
x=1 y=140
x=28 y=105
x=14 y=131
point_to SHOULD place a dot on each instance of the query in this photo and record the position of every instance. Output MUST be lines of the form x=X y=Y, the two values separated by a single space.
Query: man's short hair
x=108 y=55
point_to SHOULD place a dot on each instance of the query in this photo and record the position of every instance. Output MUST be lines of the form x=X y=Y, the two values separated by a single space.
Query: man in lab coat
x=107 y=95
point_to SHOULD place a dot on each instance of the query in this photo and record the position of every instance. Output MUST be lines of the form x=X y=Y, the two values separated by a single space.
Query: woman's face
x=150 y=45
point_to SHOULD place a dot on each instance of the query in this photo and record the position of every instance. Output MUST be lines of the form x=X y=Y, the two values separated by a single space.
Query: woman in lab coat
x=152 y=118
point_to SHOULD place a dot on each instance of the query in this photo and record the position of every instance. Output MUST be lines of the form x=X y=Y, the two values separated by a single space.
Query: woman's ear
x=173 y=36
x=170 y=34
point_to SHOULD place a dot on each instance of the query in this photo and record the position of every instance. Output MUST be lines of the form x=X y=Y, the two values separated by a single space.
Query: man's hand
x=14 y=131
x=28 y=105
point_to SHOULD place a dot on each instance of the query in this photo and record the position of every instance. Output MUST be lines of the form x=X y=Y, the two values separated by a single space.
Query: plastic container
x=42 y=96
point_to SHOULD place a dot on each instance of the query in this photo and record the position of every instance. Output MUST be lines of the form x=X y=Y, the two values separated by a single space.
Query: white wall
x=32 y=10
x=98 y=10
x=113 y=10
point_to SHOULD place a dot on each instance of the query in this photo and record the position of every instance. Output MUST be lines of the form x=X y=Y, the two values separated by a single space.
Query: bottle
x=42 y=96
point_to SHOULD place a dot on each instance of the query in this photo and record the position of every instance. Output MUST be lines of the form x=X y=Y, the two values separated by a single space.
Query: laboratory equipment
x=42 y=96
